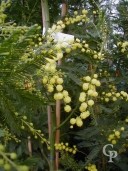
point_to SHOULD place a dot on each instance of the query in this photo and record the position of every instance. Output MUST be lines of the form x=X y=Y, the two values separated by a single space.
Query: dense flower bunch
x=113 y=138
x=113 y=94
x=123 y=46
x=91 y=167
x=53 y=79
x=65 y=147
x=54 y=83
x=67 y=21
x=86 y=99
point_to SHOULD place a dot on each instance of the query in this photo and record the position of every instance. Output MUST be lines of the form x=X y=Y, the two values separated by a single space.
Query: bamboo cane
x=58 y=102
x=51 y=122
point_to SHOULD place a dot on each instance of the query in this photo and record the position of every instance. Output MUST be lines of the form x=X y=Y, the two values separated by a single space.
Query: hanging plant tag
x=62 y=37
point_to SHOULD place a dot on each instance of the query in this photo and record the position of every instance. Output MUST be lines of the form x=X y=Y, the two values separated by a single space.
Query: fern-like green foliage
x=20 y=95
x=18 y=90
x=69 y=163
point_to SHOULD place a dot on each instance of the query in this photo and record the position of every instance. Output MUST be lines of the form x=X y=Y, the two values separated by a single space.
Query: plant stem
x=57 y=140
x=66 y=120
x=49 y=119
x=64 y=8
x=9 y=161
x=52 y=142
x=42 y=152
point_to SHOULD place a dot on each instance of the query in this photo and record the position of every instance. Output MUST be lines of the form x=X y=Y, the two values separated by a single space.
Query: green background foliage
x=24 y=99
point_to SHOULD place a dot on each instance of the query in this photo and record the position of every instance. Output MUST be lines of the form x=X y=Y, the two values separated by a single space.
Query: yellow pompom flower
x=72 y=121
x=65 y=93
x=75 y=13
x=59 y=81
x=52 y=81
x=58 y=96
x=59 y=87
x=45 y=80
x=81 y=98
x=83 y=107
x=84 y=115
x=79 y=122
x=67 y=108
x=90 y=102
x=113 y=142
x=98 y=83
x=85 y=86
x=117 y=133
x=84 y=11
x=67 y=99
x=50 y=88
x=87 y=78
x=90 y=92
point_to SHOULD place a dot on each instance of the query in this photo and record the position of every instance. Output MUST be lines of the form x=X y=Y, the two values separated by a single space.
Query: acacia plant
x=85 y=83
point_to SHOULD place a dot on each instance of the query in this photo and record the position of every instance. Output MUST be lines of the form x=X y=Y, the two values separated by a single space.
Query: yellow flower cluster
x=91 y=167
x=113 y=138
x=114 y=95
x=63 y=95
x=86 y=99
x=126 y=120
x=54 y=84
x=59 y=47
x=98 y=55
x=50 y=67
x=123 y=45
x=67 y=21
x=67 y=47
x=65 y=147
